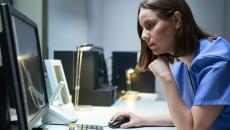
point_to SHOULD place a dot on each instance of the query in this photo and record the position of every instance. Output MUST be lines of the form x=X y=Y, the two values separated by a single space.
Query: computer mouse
x=117 y=123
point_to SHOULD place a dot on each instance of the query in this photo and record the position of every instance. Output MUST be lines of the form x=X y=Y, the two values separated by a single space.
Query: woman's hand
x=134 y=120
x=160 y=68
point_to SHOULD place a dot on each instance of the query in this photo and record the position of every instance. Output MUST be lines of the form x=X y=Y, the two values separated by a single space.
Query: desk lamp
x=130 y=95
x=80 y=49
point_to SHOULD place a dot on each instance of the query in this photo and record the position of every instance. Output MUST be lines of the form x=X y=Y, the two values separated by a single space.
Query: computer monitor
x=22 y=66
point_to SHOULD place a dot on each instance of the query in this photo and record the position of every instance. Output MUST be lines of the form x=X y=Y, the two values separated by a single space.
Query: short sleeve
x=213 y=82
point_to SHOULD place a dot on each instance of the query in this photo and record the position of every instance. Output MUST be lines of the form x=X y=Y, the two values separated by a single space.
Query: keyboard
x=86 y=127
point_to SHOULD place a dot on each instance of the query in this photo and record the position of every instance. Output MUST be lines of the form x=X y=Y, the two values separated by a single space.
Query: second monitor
x=61 y=109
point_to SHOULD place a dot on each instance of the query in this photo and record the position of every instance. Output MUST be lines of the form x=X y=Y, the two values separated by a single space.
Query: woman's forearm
x=161 y=120
x=181 y=115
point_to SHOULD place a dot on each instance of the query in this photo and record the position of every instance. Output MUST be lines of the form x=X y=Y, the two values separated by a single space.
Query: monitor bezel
x=10 y=64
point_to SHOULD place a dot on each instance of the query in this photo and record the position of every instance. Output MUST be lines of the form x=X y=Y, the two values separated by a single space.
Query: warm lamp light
x=130 y=95
x=129 y=78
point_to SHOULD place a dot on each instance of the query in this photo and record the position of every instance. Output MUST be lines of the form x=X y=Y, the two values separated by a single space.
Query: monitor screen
x=21 y=51
x=29 y=66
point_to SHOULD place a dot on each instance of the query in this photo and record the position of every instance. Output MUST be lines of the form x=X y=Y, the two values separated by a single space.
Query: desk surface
x=97 y=115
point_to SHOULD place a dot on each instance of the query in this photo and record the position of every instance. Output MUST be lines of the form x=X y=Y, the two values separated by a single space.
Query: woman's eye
x=149 y=26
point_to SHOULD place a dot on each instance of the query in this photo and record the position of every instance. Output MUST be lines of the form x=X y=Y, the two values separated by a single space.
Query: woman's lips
x=151 y=45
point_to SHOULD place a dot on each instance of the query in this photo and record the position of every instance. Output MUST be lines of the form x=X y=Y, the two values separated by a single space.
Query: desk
x=146 y=106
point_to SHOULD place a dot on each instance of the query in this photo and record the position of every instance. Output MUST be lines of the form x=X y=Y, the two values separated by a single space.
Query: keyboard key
x=88 y=127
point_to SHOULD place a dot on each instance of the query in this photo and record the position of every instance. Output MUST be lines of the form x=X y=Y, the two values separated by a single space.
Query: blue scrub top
x=208 y=80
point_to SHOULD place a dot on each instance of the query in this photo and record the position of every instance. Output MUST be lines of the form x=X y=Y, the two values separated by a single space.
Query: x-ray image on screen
x=60 y=80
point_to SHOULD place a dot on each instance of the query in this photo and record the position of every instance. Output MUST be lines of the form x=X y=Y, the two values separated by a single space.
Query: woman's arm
x=196 y=118
x=161 y=120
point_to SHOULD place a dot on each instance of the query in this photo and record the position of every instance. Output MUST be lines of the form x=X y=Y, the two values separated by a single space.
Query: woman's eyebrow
x=149 y=21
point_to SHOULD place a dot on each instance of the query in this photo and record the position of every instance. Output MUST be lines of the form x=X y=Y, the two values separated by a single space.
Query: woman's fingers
x=120 y=116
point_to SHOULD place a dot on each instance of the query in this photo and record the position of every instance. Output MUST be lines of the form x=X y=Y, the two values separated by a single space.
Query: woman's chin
x=155 y=53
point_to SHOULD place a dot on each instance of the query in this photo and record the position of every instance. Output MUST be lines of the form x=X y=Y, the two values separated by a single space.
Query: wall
x=227 y=19
x=67 y=24
x=209 y=15
x=94 y=17
x=119 y=27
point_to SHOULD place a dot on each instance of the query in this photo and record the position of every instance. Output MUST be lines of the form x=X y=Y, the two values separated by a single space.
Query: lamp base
x=131 y=95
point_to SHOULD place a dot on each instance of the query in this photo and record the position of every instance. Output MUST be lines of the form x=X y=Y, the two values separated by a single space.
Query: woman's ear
x=177 y=19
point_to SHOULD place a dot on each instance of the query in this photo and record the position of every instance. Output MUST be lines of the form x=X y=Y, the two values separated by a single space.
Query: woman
x=198 y=88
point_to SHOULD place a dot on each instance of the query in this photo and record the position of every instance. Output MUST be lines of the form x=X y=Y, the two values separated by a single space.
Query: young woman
x=198 y=88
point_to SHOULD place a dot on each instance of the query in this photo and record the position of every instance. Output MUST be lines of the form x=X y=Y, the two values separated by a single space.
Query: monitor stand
x=58 y=112
x=60 y=115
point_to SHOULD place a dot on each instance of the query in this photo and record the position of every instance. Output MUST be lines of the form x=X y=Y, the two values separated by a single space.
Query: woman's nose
x=145 y=35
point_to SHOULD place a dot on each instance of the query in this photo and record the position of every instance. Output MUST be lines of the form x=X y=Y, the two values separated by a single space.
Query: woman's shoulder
x=211 y=53
x=217 y=48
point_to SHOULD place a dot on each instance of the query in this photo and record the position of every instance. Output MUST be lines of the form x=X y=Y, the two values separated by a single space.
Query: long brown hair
x=187 y=37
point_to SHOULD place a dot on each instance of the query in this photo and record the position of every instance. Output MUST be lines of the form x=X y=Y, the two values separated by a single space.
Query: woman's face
x=159 y=34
